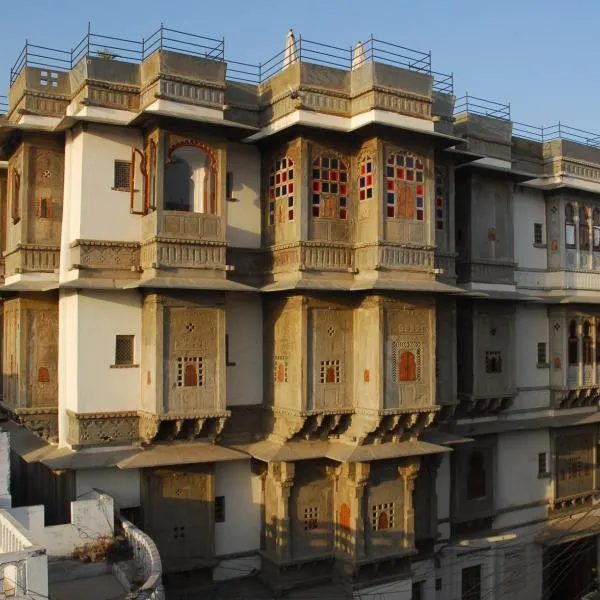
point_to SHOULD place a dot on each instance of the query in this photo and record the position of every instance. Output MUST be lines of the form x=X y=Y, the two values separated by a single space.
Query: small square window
x=538 y=234
x=122 y=175
x=493 y=362
x=124 y=350
x=541 y=354
x=542 y=465
x=219 y=509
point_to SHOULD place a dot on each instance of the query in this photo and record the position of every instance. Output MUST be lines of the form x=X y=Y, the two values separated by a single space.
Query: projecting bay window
x=575 y=462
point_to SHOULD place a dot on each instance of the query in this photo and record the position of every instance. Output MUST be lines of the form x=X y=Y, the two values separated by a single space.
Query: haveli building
x=313 y=319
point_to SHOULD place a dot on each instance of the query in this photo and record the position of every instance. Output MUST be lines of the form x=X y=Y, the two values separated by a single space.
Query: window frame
x=573 y=357
x=220 y=509
x=275 y=190
x=543 y=471
x=542 y=355
x=342 y=186
x=584 y=229
x=397 y=179
x=126 y=166
x=118 y=362
x=570 y=227
x=441 y=180
x=538 y=234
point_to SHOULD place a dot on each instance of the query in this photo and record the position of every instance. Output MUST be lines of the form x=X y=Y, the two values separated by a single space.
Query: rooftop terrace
x=304 y=50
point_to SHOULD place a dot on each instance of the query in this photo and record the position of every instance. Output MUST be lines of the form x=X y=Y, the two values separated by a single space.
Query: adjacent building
x=313 y=319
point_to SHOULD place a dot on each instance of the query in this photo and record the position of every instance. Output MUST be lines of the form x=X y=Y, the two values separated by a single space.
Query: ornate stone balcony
x=31 y=258
x=484 y=406
x=582 y=389
x=103 y=258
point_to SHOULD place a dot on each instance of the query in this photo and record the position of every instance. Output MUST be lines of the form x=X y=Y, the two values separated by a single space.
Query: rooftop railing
x=480 y=106
x=116 y=48
x=559 y=131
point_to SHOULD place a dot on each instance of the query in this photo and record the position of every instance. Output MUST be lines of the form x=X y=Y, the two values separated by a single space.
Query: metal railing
x=480 y=106
x=559 y=131
x=372 y=50
x=3 y=105
x=115 y=48
x=164 y=38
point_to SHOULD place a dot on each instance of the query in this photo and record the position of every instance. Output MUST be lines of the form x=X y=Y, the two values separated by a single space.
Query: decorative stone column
x=408 y=472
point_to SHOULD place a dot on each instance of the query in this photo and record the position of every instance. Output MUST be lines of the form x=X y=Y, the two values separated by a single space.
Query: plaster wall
x=529 y=208
x=531 y=329
x=71 y=216
x=517 y=481
x=240 y=532
x=91 y=518
x=442 y=484
x=68 y=358
x=244 y=213
x=5 y=497
x=244 y=366
x=104 y=212
x=122 y=486
x=100 y=317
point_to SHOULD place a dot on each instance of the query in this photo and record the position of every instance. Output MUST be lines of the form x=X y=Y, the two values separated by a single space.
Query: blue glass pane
x=391 y=198
x=290 y=201
x=342 y=201
x=316 y=198
x=369 y=167
x=362 y=182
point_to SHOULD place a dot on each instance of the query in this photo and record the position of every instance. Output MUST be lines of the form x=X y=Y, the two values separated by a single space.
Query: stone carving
x=101 y=254
x=97 y=429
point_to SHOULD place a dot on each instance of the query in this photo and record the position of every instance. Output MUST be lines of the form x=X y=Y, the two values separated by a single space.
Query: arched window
x=570 y=240
x=596 y=229
x=405 y=187
x=440 y=196
x=573 y=343
x=407 y=368
x=330 y=188
x=190 y=375
x=345 y=516
x=281 y=191
x=383 y=522
x=588 y=343
x=191 y=179
x=584 y=229
x=476 y=479
x=365 y=179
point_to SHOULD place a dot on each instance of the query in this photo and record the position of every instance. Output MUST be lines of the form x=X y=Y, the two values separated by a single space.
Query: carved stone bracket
x=157 y=428
x=287 y=424
x=482 y=407
x=576 y=398
x=394 y=426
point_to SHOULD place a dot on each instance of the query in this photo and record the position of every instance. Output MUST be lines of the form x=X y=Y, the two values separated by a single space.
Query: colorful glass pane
x=405 y=198
x=365 y=181
x=327 y=172
x=281 y=186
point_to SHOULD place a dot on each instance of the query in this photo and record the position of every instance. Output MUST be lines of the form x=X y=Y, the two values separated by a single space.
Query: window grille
x=542 y=464
x=365 y=181
x=538 y=237
x=280 y=374
x=493 y=362
x=281 y=191
x=541 y=353
x=330 y=371
x=219 y=509
x=440 y=197
x=122 y=175
x=311 y=518
x=329 y=188
x=382 y=516
x=405 y=187
x=190 y=371
x=124 y=350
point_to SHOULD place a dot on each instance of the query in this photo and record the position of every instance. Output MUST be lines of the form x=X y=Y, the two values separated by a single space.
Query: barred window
x=542 y=464
x=382 y=516
x=124 y=350
x=541 y=353
x=280 y=374
x=493 y=362
x=538 y=234
x=330 y=371
x=440 y=196
x=122 y=175
x=311 y=518
x=190 y=371
x=365 y=181
x=219 y=509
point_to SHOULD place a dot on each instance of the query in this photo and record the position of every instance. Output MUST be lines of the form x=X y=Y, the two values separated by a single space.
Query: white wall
x=104 y=213
x=242 y=491
x=529 y=208
x=517 y=481
x=5 y=497
x=90 y=519
x=244 y=328
x=102 y=316
x=532 y=327
x=122 y=486
x=68 y=358
x=243 y=216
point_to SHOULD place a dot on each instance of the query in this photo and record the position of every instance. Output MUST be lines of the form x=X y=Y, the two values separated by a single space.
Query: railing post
x=299 y=57
x=259 y=73
x=143 y=48
x=161 y=36
x=372 y=49
x=88 y=37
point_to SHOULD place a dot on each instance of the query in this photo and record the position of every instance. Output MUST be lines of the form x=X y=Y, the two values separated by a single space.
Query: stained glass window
x=330 y=188
x=281 y=191
x=365 y=179
x=405 y=187
x=440 y=197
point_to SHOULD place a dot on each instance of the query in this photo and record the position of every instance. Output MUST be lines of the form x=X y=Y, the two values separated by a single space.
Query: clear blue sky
x=542 y=56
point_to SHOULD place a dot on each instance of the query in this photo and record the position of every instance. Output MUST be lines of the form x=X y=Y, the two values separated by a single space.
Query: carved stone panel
x=409 y=362
x=99 y=429
x=194 y=353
